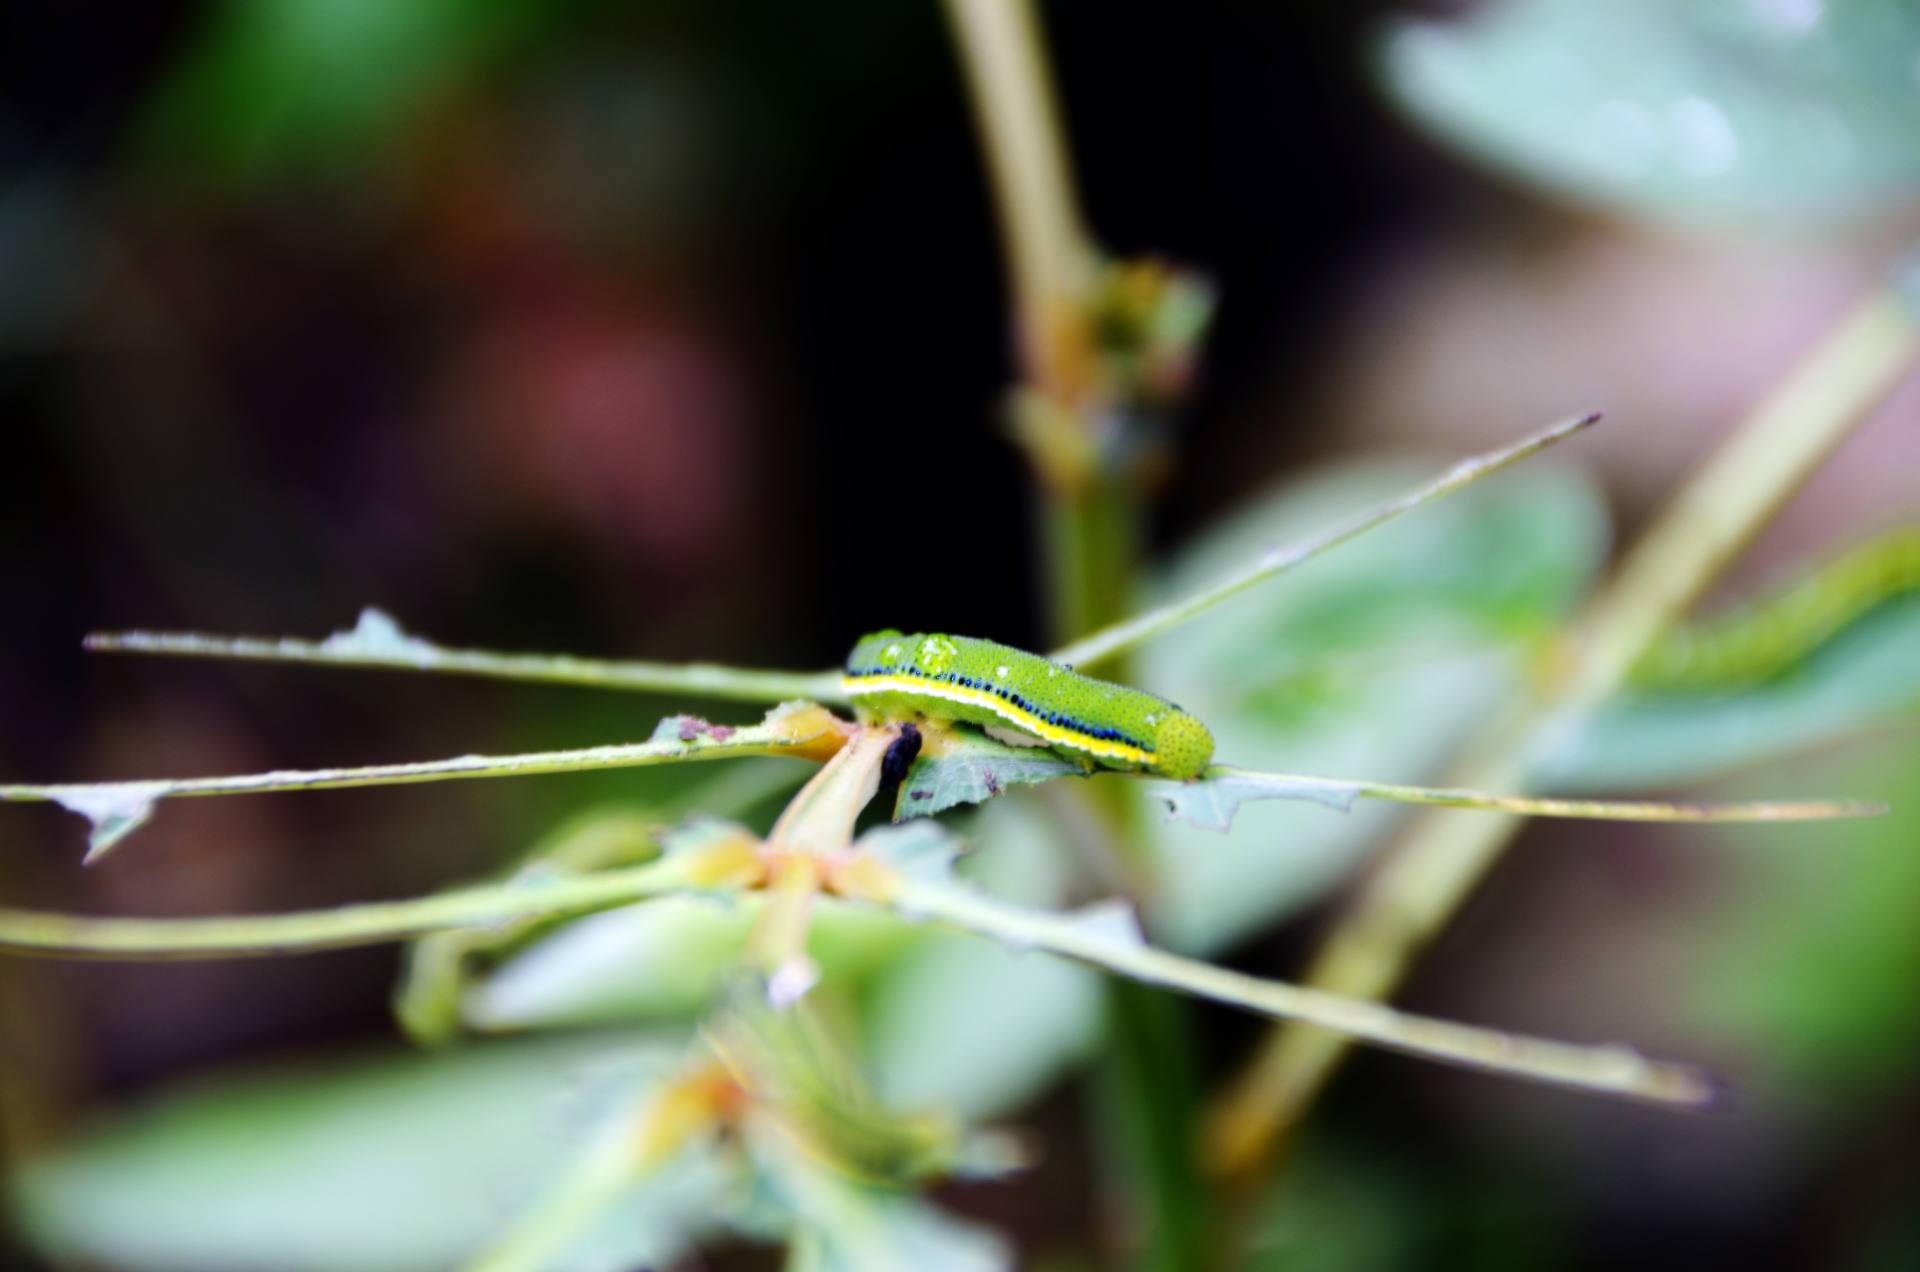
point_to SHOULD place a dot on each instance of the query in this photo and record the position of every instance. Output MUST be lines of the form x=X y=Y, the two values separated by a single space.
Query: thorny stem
x=1421 y=884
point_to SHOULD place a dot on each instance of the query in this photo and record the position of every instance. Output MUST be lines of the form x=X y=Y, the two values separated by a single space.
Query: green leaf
x=976 y=1028
x=925 y=850
x=1362 y=1201
x=1371 y=661
x=391 y=1162
x=1866 y=677
x=648 y=963
x=959 y=1023
x=1697 y=110
x=839 y=1225
x=670 y=957
x=667 y=958
x=972 y=768
x=1811 y=966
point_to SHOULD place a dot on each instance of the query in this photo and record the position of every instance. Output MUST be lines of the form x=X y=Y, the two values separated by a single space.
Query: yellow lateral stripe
x=1046 y=730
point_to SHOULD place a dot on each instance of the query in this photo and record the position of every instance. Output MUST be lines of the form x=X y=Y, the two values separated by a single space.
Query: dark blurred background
x=676 y=330
x=592 y=327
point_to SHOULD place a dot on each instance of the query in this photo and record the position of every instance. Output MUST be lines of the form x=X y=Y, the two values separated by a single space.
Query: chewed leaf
x=379 y=635
x=1212 y=801
x=113 y=809
x=970 y=768
x=1113 y=922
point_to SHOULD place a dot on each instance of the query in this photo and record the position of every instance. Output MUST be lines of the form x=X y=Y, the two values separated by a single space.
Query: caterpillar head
x=1182 y=746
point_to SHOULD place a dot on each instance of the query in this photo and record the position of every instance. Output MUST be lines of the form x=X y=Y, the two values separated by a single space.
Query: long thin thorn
x=1133 y=632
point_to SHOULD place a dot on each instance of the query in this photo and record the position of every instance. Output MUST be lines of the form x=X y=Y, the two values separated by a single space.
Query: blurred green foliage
x=1867 y=677
x=393 y=1161
x=275 y=88
x=1369 y=661
x=1823 y=993
x=1372 y=661
x=1783 y=112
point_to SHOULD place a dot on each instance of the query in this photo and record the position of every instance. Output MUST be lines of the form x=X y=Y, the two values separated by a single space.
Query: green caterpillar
x=1755 y=643
x=1025 y=699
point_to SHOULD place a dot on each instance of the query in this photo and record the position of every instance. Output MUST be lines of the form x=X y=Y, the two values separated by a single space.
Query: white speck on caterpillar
x=1001 y=671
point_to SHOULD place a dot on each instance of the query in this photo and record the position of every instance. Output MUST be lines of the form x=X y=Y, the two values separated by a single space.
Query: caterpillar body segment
x=894 y=675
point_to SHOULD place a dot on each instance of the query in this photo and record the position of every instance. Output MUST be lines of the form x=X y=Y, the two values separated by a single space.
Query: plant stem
x=373 y=923
x=116 y=809
x=411 y=653
x=1331 y=789
x=1424 y=881
x=1050 y=258
x=1093 y=537
x=1613 y=1070
x=1090 y=519
x=584 y=759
